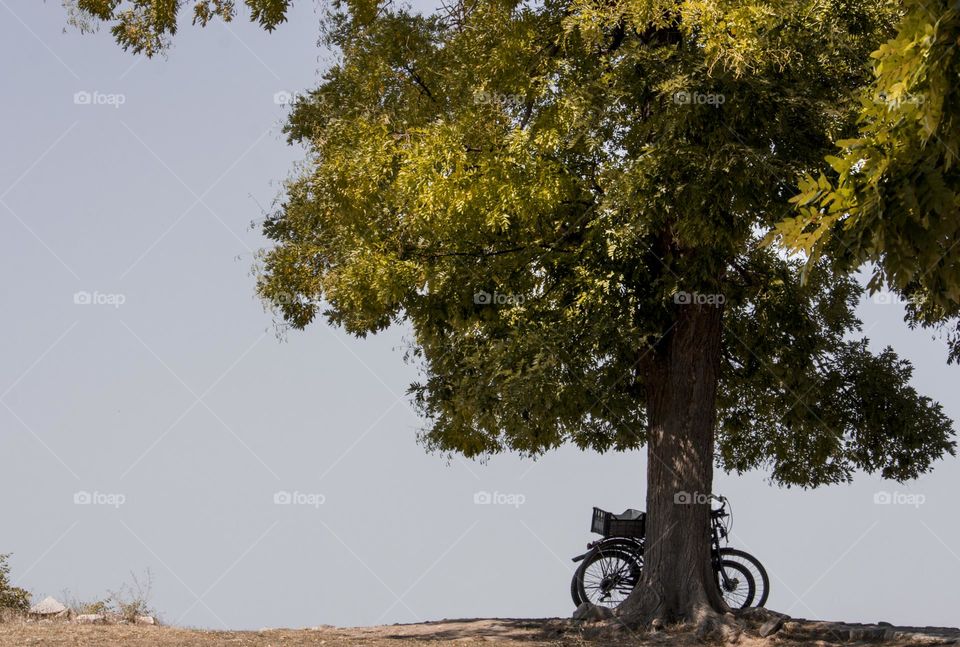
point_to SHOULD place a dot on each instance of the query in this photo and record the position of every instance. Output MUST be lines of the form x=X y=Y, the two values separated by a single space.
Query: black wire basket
x=631 y=523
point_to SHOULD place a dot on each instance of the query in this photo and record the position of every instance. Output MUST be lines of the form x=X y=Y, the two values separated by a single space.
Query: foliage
x=539 y=188
x=582 y=168
x=146 y=26
x=11 y=597
x=892 y=192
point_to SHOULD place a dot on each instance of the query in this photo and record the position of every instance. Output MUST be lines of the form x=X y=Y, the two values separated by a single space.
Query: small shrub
x=11 y=597
x=99 y=607
x=133 y=599
x=83 y=607
x=124 y=604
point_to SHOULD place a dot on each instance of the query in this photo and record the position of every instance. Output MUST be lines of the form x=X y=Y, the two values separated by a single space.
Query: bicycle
x=612 y=566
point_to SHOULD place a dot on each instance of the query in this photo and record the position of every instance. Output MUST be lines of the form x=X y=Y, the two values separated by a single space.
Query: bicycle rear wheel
x=575 y=588
x=608 y=575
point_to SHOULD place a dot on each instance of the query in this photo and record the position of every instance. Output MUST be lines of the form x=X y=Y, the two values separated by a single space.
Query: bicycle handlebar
x=722 y=510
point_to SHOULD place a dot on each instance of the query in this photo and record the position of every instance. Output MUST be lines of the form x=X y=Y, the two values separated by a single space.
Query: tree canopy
x=891 y=195
x=539 y=187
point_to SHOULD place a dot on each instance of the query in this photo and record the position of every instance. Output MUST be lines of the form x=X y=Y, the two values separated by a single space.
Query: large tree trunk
x=678 y=584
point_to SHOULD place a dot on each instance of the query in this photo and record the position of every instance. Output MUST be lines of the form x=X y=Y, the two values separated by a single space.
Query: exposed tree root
x=713 y=627
x=710 y=627
x=702 y=622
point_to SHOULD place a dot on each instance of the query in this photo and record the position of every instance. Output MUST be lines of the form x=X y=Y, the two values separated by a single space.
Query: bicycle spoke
x=607 y=579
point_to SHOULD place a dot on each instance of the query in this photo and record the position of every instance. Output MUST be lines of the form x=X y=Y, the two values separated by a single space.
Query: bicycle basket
x=632 y=523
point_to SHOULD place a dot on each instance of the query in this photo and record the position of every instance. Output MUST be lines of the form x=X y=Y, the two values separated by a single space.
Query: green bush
x=11 y=597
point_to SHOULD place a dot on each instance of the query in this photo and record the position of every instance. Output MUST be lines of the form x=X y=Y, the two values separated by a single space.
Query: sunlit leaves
x=893 y=192
x=530 y=189
x=146 y=26
x=529 y=186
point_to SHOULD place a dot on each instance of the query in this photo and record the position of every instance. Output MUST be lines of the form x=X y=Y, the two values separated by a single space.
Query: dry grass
x=515 y=633
x=493 y=632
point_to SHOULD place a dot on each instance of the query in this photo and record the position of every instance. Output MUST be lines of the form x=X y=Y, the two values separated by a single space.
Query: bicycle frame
x=631 y=542
x=718 y=532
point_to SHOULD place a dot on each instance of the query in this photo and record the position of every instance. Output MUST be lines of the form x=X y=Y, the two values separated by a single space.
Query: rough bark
x=678 y=583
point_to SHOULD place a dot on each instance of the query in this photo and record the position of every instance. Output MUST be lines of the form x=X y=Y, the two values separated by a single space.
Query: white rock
x=90 y=618
x=145 y=620
x=47 y=606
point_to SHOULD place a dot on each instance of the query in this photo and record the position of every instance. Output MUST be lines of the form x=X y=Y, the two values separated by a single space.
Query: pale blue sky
x=182 y=401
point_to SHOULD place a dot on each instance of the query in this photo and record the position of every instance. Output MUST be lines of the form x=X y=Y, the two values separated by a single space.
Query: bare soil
x=446 y=633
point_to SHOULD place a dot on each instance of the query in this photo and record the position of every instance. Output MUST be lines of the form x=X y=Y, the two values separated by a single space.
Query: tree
x=567 y=201
x=11 y=597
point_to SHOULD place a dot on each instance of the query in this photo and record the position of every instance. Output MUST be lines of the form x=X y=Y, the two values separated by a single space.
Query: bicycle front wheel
x=739 y=562
x=736 y=584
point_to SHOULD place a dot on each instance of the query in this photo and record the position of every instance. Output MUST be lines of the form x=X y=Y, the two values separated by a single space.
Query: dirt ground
x=446 y=633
